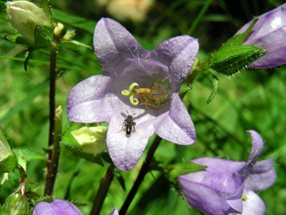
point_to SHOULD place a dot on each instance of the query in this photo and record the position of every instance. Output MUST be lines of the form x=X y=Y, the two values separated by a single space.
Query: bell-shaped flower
x=226 y=187
x=269 y=32
x=138 y=94
x=56 y=207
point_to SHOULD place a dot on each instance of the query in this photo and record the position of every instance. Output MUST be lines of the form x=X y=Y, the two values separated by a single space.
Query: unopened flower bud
x=16 y=204
x=69 y=35
x=25 y=16
x=91 y=139
x=58 y=30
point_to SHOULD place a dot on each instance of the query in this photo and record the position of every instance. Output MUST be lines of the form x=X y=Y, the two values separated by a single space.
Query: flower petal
x=253 y=204
x=257 y=146
x=262 y=175
x=57 y=206
x=113 y=45
x=276 y=51
x=114 y=212
x=85 y=100
x=126 y=151
x=179 y=54
x=176 y=125
x=204 y=198
x=217 y=164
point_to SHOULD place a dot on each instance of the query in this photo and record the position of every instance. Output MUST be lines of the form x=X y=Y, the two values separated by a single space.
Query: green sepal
x=28 y=56
x=232 y=59
x=233 y=56
x=120 y=179
x=16 y=38
x=69 y=141
x=215 y=81
x=43 y=36
x=175 y=170
x=16 y=204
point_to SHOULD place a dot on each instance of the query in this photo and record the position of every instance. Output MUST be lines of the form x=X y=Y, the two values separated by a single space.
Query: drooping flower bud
x=25 y=16
x=56 y=207
x=16 y=204
x=269 y=33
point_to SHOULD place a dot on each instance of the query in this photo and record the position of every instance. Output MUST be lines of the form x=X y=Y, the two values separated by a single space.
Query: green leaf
x=86 y=142
x=43 y=36
x=175 y=170
x=37 y=90
x=231 y=59
x=8 y=161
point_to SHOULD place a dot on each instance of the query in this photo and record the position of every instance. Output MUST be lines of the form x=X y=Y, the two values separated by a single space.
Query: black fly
x=128 y=124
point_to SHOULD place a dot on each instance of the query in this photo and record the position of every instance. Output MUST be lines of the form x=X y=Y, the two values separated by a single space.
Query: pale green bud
x=16 y=204
x=91 y=139
x=25 y=16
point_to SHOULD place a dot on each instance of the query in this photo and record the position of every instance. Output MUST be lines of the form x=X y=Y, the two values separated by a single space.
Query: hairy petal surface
x=179 y=54
x=113 y=45
x=56 y=207
x=126 y=151
x=261 y=176
x=86 y=102
x=176 y=125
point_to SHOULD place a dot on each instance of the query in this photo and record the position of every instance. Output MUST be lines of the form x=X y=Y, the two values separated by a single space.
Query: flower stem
x=143 y=171
x=102 y=190
x=54 y=136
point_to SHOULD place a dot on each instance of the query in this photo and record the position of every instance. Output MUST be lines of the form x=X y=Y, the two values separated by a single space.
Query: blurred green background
x=248 y=100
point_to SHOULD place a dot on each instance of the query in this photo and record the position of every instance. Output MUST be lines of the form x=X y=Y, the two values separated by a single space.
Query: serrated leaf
x=231 y=59
x=175 y=170
x=43 y=36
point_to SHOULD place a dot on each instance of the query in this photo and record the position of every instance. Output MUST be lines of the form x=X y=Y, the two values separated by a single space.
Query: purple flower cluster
x=227 y=186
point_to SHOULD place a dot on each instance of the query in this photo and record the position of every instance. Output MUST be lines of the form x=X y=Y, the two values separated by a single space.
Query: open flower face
x=226 y=187
x=269 y=33
x=138 y=94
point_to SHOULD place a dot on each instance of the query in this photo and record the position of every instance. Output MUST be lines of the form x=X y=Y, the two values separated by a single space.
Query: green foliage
x=16 y=204
x=246 y=100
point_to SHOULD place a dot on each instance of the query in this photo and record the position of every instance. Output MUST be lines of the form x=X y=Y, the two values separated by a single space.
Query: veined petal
x=257 y=146
x=253 y=204
x=261 y=176
x=217 y=164
x=57 y=206
x=113 y=45
x=205 y=198
x=276 y=50
x=126 y=151
x=179 y=54
x=176 y=125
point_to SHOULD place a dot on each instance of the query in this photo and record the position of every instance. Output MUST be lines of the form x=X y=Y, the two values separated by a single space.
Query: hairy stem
x=102 y=190
x=143 y=171
x=54 y=138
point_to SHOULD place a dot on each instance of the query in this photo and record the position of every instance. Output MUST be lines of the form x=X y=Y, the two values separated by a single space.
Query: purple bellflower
x=137 y=94
x=226 y=187
x=269 y=33
x=56 y=207
x=114 y=212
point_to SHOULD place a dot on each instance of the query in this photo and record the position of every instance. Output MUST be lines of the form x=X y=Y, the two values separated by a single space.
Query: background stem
x=53 y=150
x=102 y=190
x=143 y=171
